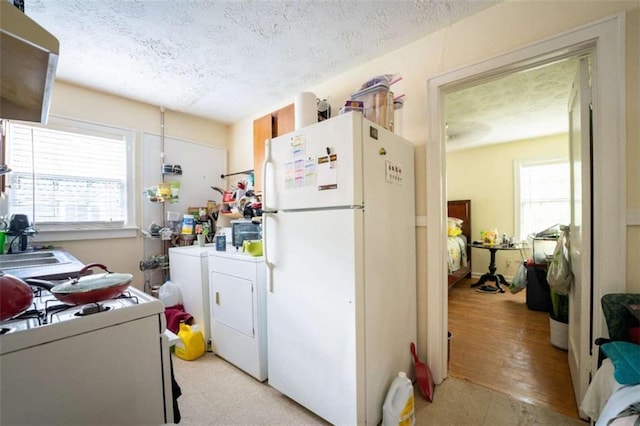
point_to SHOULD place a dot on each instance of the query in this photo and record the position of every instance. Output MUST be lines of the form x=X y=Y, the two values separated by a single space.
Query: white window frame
x=70 y=232
x=517 y=165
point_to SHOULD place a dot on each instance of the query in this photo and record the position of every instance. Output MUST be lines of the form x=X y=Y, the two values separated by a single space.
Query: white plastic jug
x=398 y=407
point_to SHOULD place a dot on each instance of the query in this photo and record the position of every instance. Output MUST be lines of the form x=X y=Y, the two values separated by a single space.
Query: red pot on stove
x=87 y=289
x=15 y=296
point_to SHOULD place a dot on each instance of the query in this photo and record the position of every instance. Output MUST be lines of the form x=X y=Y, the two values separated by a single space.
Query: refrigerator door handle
x=266 y=211
x=265 y=252
x=267 y=160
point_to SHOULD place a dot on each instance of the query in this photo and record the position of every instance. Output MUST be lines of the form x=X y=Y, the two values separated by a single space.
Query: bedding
x=457 y=253
x=620 y=401
x=626 y=360
x=607 y=401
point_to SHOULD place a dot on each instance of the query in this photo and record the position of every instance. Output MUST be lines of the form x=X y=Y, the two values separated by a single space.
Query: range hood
x=28 y=61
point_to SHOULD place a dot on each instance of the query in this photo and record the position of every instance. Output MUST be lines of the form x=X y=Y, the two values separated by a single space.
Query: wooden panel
x=271 y=125
x=284 y=120
x=461 y=209
x=262 y=130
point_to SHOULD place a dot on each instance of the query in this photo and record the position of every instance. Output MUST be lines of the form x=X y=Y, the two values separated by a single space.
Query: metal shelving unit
x=155 y=263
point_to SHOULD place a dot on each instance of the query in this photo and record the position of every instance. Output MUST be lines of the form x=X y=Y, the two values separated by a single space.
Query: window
x=542 y=195
x=72 y=179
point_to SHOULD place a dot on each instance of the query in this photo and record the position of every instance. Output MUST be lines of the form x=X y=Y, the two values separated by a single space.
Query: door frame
x=605 y=39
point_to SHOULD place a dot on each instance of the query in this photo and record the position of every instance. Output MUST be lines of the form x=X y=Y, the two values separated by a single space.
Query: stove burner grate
x=90 y=309
x=127 y=295
x=52 y=307
x=29 y=314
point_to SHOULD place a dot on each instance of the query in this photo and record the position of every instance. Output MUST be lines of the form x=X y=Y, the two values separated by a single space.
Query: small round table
x=491 y=275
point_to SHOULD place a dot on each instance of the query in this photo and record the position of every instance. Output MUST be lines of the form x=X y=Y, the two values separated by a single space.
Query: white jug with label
x=398 y=408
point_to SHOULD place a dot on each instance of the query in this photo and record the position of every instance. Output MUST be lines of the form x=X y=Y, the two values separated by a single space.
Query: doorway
x=606 y=40
x=519 y=136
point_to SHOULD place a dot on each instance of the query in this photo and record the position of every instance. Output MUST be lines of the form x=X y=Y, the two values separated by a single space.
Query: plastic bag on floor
x=520 y=279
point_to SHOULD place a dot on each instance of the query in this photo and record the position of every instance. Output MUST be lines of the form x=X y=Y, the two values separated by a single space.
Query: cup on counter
x=253 y=247
x=221 y=243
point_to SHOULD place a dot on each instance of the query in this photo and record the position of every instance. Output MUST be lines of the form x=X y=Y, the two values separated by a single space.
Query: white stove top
x=49 y=319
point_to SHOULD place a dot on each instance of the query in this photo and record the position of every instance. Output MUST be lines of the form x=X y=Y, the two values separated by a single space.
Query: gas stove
x=48 y=318
x=54 y=354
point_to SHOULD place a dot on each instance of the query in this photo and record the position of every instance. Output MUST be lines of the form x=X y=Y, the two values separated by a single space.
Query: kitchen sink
x=32 y=259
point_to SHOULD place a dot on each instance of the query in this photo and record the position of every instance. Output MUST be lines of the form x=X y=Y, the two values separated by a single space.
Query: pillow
x=454 y=226
x=454 y=232
x=454 y=221
x=625 y=357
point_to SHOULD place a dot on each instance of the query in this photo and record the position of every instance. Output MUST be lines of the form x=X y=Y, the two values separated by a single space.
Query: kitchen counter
x=42 y=264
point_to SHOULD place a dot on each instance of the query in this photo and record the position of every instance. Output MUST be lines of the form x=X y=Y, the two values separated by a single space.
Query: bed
x=607 y=400
x=613 y=396
x=458 y=239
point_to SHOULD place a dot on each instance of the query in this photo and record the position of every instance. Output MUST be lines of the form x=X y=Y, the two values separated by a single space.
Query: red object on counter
x=87 y=289
x=15 y=296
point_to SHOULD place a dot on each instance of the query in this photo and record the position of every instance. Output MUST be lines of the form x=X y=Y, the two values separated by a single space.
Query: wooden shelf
x=232 y=215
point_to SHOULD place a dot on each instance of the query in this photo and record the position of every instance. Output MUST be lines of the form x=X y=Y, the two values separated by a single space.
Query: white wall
x=486 y=177
x=496 y=30
x=124 y=254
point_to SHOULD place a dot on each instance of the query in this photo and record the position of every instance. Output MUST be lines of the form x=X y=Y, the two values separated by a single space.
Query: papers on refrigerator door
x=303 y=173
x=298 y=146
x=299 y=173
x=327 y=172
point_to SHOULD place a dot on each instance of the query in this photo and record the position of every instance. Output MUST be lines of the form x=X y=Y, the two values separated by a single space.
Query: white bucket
x=398 y=408
x=305 y=110
x=559 y=334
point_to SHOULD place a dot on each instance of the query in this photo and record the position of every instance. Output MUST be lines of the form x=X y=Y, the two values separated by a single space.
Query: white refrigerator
x=339 y=231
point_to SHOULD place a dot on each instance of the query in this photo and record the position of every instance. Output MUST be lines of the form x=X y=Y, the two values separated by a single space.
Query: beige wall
x=497 y=30
x=486 y=177
x=124 y=254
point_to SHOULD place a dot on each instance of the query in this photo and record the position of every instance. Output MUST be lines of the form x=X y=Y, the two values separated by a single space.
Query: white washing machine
x=188 y=269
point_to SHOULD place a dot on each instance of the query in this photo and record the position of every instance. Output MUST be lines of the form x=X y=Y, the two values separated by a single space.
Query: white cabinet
x=237 y=291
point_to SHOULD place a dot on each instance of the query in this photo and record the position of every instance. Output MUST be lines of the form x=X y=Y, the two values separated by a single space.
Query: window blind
x=62 y=177
x=544 y=196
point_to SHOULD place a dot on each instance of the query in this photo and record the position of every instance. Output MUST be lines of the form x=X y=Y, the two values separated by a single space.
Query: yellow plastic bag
x=193 y=345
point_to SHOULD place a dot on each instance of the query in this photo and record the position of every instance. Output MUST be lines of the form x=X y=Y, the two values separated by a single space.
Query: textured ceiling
x=228 y=60
x=521 y=105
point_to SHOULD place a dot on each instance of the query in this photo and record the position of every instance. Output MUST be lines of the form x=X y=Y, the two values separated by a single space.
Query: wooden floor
x=498 y=343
